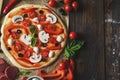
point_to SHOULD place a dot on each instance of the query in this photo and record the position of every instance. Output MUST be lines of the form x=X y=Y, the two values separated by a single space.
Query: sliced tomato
x=53 y=29
x=44 y=53
x=54 y=47
x=26 y=22
x=42 y=17
x=15 y=35
x=30 y=10
x=32 y=14
x=28 y=52
x=9 y=29
x=52 y=40
x=18 y=47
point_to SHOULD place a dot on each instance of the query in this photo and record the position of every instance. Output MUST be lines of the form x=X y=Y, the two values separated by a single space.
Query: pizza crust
x=10 y=56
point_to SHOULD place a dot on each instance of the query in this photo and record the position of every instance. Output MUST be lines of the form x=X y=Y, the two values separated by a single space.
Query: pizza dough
x=33 y=36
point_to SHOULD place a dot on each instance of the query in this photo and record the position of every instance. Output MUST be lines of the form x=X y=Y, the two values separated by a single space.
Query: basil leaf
x=32 y=29
x=24 y=73
x=33 y=41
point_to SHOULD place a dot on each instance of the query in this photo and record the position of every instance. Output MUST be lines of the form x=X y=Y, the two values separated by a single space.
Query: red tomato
x=42 y=17
x=62 y=65
x=53 y=29
x=14 y=35
x=52 y=3
x=28 y=52
x=32 y=14
x=67 y=1
x=68 y=8
x=26 y=22
x=18 y=47
x=72 y=35
x=44 y=53
x=75 y=4
x=52 y=40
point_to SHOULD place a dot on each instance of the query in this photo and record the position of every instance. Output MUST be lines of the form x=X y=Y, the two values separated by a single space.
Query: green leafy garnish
x=72 y=48
x=24 y=73
x=33 y=30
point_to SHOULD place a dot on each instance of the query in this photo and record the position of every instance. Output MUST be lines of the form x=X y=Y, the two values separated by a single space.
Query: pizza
x=33 y=36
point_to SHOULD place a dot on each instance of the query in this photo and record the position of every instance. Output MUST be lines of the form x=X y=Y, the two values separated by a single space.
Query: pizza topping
x=32 y=14
x=39 y=27
x=59 y=38
x=25 y=15
x=41 y=11
x=36 y=49
x=51 y=18
x=35 y=58
x=20 y=55
x=42 y=17
x=44 y=44
x=35 y=19
x=51 y=54
x=8 y=48
x=26 y=39
x=17 y=18
x=10 y=42
x=43 y=36
x=14 y=35
x=19 y=31
x=26 y=22
x=57 y=44
x=44 y=54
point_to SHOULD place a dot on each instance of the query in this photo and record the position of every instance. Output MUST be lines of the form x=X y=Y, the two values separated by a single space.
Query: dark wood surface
x=98 y=23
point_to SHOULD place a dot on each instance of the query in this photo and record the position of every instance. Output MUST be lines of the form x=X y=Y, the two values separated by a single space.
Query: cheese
x=35 y=58
x=36 y=49
x=59 y=38
x=51 y=54
x=39 y=27
x=10 y=42
x=35 y=19
x=51 y=18
x=43 y=36
x=26 y=39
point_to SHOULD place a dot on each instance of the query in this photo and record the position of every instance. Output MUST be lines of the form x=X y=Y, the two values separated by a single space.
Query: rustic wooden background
x=98 y=23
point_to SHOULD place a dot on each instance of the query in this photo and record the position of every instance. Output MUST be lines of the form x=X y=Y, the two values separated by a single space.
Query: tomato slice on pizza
x=33 y=36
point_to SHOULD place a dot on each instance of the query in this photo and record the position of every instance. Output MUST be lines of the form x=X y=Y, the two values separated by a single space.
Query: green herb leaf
x=33 y=41
x=72 y=48
x=24 y=73
x=32 y=29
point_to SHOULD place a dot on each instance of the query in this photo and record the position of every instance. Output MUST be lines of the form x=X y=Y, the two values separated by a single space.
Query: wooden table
x=98 y=23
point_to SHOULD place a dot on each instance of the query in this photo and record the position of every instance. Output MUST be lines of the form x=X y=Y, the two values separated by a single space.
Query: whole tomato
x=52 y=3
x=75 y=4
x=67 y=1
x=72 y=35
x=68 y=8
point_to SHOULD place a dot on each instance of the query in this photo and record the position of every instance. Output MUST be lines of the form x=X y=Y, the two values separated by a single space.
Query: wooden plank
x=112 y=29
x=89 y=23
x=1 y=2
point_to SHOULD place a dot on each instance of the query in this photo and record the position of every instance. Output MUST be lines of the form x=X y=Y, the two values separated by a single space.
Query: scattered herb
x=24 y=73
x=72 y=48
x=33 y=30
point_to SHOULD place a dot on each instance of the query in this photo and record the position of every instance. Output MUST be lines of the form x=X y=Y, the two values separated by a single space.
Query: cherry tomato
x=72 y=35
x=68 y=8
x=26 y=22
x=52 y=3
x=75 y=4
x=32 y=14
x=67 y=1
x=62 y=65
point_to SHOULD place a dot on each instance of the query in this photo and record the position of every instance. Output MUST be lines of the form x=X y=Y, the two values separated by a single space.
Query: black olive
x=57 y=44
x=8 y=48
x=36 y=35
x=20 y=54
x=41 y=11
x=62 y=11
x=19 y=31
x=25 y=15
x=44 y=44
